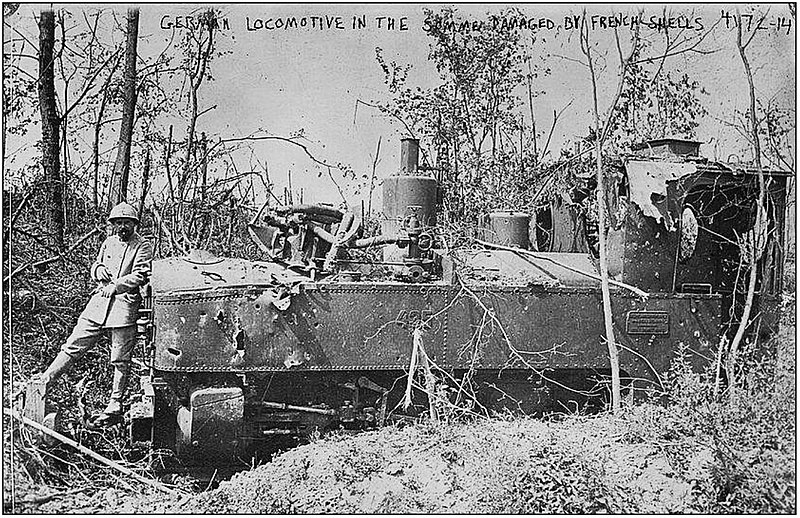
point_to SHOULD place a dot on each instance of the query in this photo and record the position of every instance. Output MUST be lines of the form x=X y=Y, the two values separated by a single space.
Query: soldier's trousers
x=85 y=335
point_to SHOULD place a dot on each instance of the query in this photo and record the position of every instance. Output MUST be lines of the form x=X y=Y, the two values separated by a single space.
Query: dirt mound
x=579 y=465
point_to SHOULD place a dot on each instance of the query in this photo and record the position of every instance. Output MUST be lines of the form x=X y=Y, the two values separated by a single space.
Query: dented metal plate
x=323 y=327
x=360 y=326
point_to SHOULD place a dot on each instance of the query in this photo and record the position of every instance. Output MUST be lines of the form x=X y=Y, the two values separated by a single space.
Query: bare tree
x=119 y=179
x=51 y=122
x=759 y=230
x=600 y=136
x=198 y=49
x=98 y=126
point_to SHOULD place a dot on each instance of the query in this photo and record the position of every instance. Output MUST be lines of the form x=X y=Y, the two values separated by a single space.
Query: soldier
x=122 y=266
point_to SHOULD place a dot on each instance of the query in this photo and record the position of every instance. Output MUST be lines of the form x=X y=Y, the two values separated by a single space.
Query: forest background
x=198 y=117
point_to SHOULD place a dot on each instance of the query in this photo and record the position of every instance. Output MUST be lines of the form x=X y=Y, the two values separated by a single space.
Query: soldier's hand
x=103 y=275
x=109 y=290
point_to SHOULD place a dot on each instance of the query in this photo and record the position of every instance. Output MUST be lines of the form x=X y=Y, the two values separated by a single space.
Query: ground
x=483 y=467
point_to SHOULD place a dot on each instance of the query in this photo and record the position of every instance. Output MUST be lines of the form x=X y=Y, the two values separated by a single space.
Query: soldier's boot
x=43 y=380
x=61 y=362
x=121 y=373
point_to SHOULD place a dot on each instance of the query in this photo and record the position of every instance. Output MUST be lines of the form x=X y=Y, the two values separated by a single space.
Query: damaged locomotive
x=245 y=355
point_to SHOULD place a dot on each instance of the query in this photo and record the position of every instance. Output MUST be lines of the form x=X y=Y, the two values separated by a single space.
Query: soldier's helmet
x=123 y=210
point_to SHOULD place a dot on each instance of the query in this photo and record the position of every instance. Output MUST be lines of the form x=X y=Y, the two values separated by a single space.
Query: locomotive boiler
x=247 y=356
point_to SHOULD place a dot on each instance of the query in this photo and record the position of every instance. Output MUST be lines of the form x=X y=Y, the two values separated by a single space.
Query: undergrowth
x=739 y=452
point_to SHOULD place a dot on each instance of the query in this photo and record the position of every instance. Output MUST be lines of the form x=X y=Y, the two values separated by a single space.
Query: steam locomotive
x=247 y=355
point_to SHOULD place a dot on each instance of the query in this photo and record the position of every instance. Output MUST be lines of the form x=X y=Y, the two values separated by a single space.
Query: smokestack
x=409 y=156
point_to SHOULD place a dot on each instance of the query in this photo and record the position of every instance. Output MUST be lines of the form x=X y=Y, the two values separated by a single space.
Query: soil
x=579 y=464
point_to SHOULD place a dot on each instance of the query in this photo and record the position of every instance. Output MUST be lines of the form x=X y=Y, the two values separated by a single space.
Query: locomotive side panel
x=324 y=327
x=562 y=328
x=369 y=327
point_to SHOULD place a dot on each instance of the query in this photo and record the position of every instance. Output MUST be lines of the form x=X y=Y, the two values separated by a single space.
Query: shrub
x=749 y=440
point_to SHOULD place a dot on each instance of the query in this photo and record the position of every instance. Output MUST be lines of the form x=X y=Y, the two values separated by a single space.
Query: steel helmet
x=124 y=210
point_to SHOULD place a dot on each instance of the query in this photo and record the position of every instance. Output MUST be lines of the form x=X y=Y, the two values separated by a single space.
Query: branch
x=404 y=123
x=96 y=456
x=284 y=139
x=520 y=251
x=556 y=116
x=206 y=110
x=693 y=48
x=344 y=200
x=624 y=63
x=755 y=30
x=514 y=351
x=89 y=83
x=54 y=258
x=25 y=38
x=21 y=206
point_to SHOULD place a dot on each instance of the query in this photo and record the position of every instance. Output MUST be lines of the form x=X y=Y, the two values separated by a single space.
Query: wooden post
x=35 y=394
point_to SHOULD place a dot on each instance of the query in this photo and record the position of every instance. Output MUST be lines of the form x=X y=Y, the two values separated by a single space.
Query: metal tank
x=409 y=200
x=508 y=228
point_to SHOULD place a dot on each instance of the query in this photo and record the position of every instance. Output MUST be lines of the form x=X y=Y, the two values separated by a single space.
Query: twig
x=284 y=139
x=47 y=498
x=166 y=231
x=430 y=381
x=556 y=116
x=90 y=453
x=514 y=352
x=212 y=480
x=520 y=251
x=404 y=123
x=412 y=368
x=54 y=258
x=372 y=178
x=22 y=205
x=637 y=353
x=337 y=185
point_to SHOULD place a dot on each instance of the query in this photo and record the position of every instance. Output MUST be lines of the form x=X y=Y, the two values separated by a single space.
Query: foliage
x=748 y=445
x=559 y=482
x=470 y=127
x=654 y=103
x=776 y=126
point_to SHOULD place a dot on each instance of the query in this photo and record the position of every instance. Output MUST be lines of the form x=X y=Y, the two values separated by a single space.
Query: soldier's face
x=123 y=227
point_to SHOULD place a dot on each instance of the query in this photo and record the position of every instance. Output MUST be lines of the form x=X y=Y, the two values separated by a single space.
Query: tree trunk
x=145 y=184
x=98 y=126
x=204 y=166
x=733 y=351
x=167 y=157
x=533 y=116
x=51 y=122
x=613 y=352
x=119 y=179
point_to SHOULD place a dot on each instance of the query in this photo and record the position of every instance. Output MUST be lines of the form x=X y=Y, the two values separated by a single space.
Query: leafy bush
x=557 y=481
x=739 y=452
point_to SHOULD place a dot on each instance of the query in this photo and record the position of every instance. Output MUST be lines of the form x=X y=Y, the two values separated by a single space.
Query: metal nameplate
x=647 y=323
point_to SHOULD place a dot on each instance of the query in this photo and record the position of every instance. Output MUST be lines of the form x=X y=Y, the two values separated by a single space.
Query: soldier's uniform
x=127 y=263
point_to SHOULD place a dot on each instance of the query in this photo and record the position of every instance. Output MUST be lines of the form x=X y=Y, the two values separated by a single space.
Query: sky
x=283 y=80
